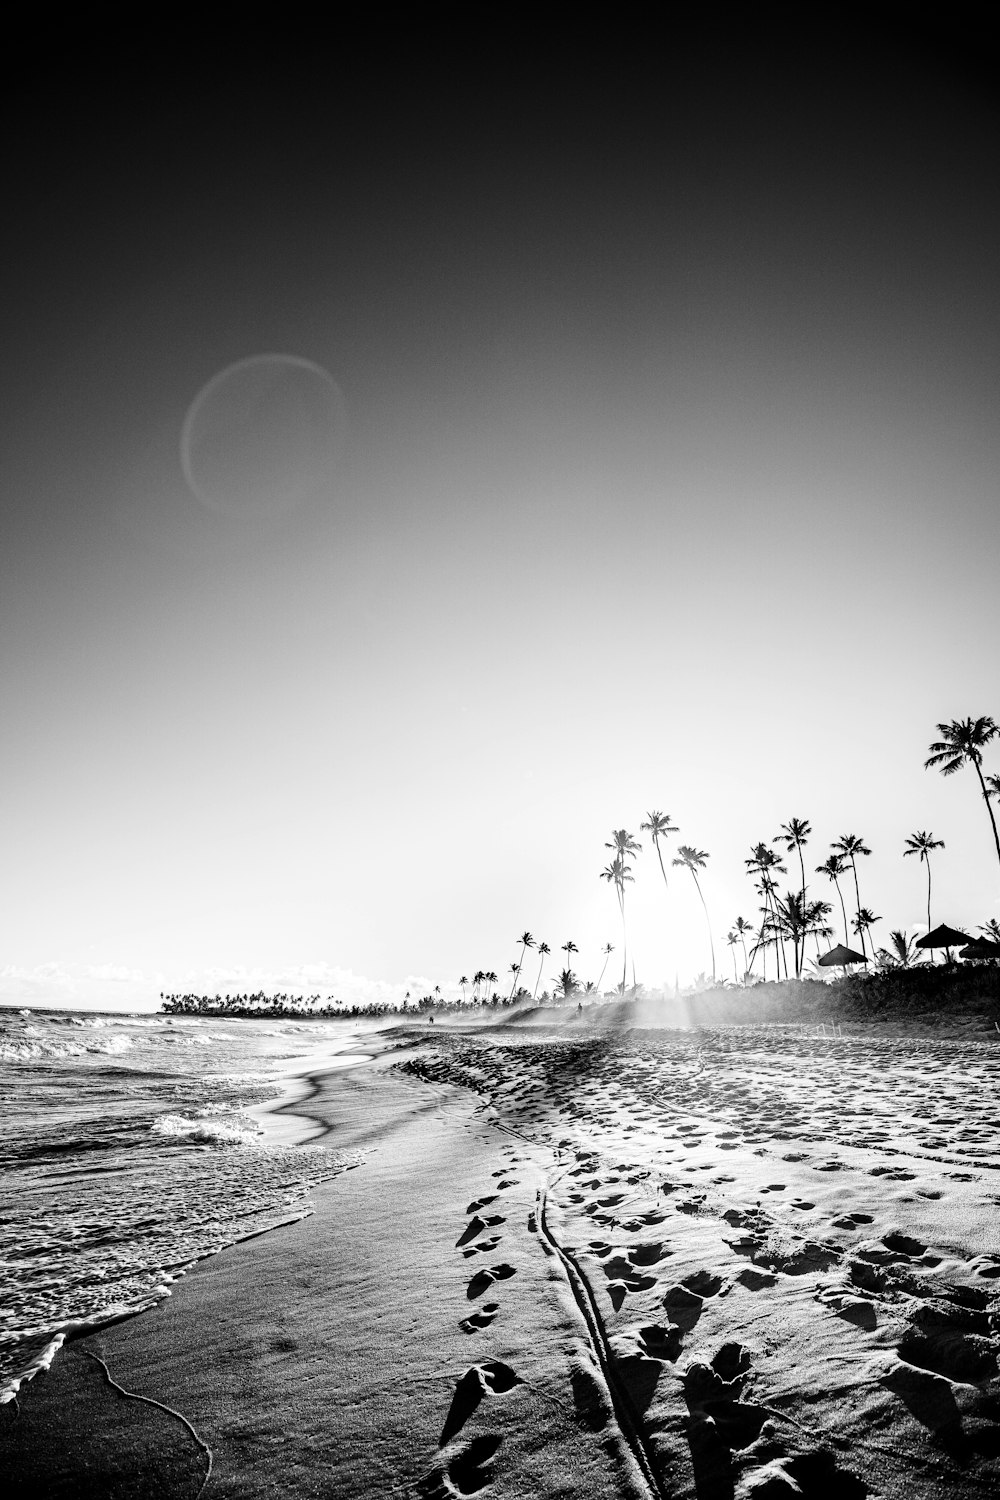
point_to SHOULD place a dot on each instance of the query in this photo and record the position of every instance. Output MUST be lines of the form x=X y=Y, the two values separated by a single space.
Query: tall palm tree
x=694 y=860
x=732 y=938
x=543 y=951
x=816 y=913
x=792 y=921
x=922 y=844
x=862 y=922
x=991 y=929
x=625 y=847
x=515 y=969
x=741 y=928
x=850 y=846
x=658 y=825
x=463 y=982
x=765 y=864
x=833 y=868
x=795 y=835
x=569 y=949
x=607 y=950
x=491 y=978
x=961 y=743
x=526 y=941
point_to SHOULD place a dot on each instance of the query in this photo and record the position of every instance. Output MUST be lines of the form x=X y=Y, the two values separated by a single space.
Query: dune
x=746 y=1262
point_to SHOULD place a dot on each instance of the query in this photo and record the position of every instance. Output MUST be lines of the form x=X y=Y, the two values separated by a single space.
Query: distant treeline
x=309 y=1007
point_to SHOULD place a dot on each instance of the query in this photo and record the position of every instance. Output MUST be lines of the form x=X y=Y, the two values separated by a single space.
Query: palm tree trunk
x=928 y=893
x=857 y=897
x=800 y=964
x=621 y=902
x=708 y=922
x=986 y=799
x=843 y=911
x=538 y=980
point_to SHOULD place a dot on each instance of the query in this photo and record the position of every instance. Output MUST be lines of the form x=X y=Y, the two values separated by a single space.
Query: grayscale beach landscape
x=500 y=875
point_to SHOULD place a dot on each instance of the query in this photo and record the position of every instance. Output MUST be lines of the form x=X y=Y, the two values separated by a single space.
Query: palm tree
x=491 y=978
x=659 y=825
x=795 y=835
x=903 y=952
x=569 y=949
x=991 y=929
x=463 y=982
x=567 y=982
x=741 y=928
x=526 y=941
x=607 y=950
x=764 y=863
x=862 y=922
x=817 y=913
x=543 y=951
x=732 y=938
x=694 y=860
x=791 y=920
x=922 y=844
x=850 y=846
x=961 y=744
x=625 y=847
x=833 y=868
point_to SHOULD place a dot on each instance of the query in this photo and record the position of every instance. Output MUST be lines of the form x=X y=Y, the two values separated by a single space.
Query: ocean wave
x=36 y=1045
x=208 y=1129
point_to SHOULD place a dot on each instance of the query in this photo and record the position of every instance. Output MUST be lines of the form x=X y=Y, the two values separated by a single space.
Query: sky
x=420 y=459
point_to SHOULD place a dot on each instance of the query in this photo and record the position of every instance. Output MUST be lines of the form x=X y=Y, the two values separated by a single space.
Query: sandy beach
x=581 y=1258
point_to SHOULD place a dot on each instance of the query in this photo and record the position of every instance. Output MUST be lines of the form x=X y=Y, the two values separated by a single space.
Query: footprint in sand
x=484 y=1247
x=476 y=1226
x=475 y=1322
x=474 y=1208
x=466 y=1472
x=492 y=1378
x=484 y=1279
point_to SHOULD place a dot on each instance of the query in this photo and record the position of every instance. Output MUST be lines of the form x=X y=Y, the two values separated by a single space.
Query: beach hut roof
x=943 y=937
x=840 y=957
x=981 y=948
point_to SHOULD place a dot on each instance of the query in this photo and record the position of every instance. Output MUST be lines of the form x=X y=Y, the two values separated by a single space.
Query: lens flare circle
x=262 y=438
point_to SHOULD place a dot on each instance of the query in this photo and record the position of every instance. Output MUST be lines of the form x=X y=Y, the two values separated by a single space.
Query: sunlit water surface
x=126 y=1154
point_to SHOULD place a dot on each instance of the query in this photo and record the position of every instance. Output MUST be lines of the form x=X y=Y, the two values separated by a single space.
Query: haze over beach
x=499 y=545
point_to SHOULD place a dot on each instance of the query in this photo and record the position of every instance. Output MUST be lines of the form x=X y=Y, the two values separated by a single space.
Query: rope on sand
x=150 y=1401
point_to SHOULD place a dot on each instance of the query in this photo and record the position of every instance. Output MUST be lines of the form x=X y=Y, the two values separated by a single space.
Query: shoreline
x=727 y=1258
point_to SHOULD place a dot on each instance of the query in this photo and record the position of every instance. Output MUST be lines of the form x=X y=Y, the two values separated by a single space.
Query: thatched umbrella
x=943 y=937
x=840 y=957
x=980 y=947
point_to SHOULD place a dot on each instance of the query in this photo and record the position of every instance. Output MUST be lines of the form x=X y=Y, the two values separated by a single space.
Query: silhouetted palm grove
x=787 y=925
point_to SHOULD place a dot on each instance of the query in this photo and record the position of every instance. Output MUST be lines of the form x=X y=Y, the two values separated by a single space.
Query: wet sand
x=747 y=1262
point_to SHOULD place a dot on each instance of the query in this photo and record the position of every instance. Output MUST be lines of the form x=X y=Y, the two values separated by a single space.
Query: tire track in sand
x=629 y=1422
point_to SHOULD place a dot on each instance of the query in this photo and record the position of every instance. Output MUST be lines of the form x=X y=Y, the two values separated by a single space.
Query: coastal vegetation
x=786 y=925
